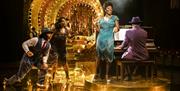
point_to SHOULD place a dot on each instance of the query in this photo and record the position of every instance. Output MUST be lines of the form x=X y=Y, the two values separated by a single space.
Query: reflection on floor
x=168 y=64
x=82 y=80
x=134 y=85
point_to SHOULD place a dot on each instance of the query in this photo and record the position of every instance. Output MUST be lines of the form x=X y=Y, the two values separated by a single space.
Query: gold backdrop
x=82 y=14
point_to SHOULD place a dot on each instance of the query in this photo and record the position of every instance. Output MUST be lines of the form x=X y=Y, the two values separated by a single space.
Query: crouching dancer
x=36 y=54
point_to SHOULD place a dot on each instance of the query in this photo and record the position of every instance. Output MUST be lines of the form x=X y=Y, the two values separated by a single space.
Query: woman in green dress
x=108 y=24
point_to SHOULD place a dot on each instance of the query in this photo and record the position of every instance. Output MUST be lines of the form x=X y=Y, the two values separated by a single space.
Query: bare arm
x=116 y=28
x=98 y=27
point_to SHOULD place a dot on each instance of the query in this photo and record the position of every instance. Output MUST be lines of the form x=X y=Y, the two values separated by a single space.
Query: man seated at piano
x=134 y=43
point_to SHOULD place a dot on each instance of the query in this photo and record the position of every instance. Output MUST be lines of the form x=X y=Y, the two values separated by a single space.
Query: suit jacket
x=135 y=42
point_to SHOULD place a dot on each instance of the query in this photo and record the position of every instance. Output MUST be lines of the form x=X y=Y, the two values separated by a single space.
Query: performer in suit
x=135 y=42
x=36 y=53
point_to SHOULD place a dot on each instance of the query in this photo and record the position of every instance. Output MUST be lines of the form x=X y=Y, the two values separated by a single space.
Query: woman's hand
x=118 y=47
x=115 y=29
x=44 y=66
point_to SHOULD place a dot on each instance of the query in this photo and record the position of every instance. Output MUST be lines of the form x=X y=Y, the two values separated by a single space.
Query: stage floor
x=85 y=82
x=134 y=85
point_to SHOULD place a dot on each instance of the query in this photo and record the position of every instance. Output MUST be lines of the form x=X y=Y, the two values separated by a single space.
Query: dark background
x=155 y=13
x=11 y=30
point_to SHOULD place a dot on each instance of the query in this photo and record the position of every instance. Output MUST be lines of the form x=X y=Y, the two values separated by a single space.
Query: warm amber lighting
x=83 y=16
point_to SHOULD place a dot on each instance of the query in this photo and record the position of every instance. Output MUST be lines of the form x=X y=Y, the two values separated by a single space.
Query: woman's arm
x=116 y=28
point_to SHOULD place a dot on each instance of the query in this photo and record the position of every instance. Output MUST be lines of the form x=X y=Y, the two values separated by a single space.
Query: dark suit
x=135 y=41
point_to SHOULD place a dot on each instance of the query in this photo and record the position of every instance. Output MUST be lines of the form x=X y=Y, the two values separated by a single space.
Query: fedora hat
x=135 y=20
x=46 y=30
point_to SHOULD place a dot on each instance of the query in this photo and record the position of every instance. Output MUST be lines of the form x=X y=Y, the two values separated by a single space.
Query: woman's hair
x=106 y=4
x=58 y=23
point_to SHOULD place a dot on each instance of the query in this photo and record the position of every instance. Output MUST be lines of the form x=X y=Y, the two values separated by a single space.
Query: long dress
x=105 y=39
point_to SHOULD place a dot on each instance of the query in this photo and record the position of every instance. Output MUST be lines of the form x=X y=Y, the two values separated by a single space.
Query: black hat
x=46 y=30
x=135 y=20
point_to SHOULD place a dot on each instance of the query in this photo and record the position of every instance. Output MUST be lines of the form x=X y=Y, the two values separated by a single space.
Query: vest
x=38 y=51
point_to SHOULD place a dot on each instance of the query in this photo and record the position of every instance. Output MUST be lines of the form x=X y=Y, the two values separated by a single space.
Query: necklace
x=107 y=17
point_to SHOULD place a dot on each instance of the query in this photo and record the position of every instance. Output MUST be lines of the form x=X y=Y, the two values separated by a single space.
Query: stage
x=85 y=82
x=135 y=85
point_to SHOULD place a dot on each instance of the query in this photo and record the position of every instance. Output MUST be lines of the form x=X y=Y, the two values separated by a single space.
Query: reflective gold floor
x=135 y=85
x=84 y=82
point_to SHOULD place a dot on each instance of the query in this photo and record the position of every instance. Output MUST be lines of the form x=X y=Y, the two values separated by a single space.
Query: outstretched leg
x=41 y=75
x=24 y=68
x=66 y=69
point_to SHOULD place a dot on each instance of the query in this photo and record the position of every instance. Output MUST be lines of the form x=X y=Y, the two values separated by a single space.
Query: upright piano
x=120 y=35
x=150 y=44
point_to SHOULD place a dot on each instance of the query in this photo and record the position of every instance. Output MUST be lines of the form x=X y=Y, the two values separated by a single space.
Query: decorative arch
x=83 y=15
x=43 y=13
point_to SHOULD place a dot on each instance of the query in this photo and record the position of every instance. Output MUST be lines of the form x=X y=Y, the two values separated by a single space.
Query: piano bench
x=121 y=64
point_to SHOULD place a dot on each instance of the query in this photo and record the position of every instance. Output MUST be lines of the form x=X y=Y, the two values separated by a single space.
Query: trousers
x=25 y=66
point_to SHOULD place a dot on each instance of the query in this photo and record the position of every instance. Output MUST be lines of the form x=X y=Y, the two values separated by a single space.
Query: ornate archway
x=83 y=15
x=43 y=13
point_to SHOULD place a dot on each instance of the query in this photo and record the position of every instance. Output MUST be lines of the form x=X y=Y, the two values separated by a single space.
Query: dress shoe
x=128 y=78
x=5 y=82
x=40 y=85
x=68 y=79
x=108 y=81
x=12 y=82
